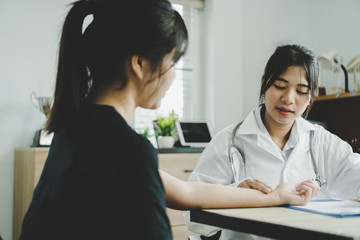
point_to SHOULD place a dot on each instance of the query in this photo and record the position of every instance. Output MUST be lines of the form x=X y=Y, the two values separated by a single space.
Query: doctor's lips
x=284 y=111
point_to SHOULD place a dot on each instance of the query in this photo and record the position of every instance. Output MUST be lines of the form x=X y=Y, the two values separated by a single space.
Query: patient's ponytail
x=72 y=78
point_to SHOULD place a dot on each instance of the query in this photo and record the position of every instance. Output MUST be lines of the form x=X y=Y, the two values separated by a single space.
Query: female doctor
x=274 y=144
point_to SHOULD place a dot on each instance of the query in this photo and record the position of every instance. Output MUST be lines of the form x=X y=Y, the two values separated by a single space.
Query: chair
x=194 y=237
x=200 y=237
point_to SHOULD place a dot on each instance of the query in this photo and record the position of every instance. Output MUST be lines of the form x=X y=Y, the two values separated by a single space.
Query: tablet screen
x=194 y=134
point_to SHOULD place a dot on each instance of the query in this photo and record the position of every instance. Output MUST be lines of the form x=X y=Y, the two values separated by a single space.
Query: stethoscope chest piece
x=321 y=180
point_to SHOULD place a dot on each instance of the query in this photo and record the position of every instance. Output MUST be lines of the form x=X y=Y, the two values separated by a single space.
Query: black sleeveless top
x=100 y=181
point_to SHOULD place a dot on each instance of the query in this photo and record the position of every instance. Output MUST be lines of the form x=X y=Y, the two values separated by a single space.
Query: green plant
x=166 y=126
x=145 y=132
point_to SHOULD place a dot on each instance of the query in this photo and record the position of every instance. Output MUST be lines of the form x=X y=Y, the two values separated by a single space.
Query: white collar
x=294 y=135
x=253 y=124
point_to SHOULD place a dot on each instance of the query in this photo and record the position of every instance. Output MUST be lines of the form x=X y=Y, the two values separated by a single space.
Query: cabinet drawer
x=176 y=217
x=181 y=233
x=179 y=165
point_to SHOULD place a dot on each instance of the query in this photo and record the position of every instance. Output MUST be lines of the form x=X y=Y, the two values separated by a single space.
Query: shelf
x=335 y=96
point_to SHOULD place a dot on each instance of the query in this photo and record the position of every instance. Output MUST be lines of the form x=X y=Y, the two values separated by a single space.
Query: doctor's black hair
x=91 y=61
x=286 y=56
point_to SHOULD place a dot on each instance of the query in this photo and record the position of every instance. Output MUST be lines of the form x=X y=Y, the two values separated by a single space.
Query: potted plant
x=165 y=130
x=144 y=132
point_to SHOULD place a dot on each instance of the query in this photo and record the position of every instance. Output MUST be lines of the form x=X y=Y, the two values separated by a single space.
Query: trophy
x=42 y=138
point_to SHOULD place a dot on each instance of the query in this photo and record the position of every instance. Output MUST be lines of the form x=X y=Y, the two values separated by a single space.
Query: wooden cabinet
x=340 y=114
x=28 y=166
x=29 y=163
x=179 y=165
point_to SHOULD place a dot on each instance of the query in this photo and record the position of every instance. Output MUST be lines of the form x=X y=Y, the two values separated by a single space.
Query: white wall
x=29 y=34
x=237 y=39
x=221 y=64
x=244 y=34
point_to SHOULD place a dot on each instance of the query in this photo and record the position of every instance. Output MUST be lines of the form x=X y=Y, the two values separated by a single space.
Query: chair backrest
x=200 y=237
x=194 y=237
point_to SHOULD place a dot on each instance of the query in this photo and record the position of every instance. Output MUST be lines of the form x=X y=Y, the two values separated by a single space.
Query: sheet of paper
x=337 y=208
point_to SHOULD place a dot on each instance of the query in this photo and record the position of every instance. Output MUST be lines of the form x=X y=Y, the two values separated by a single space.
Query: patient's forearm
x=189 y=195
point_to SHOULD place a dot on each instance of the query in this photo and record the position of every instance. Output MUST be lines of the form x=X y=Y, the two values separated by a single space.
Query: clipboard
x=331 y=207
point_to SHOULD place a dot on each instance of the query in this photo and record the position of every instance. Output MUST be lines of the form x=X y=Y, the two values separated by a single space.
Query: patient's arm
x=188 y=195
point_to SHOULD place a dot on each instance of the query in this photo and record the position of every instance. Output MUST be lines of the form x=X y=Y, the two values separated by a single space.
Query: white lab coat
x=264 y=161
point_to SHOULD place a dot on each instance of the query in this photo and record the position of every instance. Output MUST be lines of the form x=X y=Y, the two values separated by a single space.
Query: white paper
x=342 y=208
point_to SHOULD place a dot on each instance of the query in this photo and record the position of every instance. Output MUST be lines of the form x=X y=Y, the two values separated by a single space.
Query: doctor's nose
x=288 y=97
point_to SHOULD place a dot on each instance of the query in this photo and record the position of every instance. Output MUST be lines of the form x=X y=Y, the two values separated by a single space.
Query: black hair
x=95 y=59
x=286 y=56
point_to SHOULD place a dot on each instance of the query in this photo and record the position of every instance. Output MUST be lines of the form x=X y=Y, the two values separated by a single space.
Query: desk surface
x=280 y=223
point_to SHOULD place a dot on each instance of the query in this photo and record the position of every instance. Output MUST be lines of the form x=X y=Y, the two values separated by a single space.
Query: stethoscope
x=320 y=179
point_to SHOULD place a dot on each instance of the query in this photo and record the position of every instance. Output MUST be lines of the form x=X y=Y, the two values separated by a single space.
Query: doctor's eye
x=280 y=84
x=302 y=93
x=279 y=87
x=303 y=90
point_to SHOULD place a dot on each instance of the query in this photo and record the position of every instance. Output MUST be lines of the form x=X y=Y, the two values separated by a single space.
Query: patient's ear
x=139 y=66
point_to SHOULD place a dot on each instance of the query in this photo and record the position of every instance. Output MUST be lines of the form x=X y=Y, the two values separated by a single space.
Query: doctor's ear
x=309 y=100
x=262 y=87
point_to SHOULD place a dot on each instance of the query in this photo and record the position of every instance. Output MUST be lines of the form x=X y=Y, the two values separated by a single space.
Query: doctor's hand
x=255 y=184
x=297 y=194
x=301 y=187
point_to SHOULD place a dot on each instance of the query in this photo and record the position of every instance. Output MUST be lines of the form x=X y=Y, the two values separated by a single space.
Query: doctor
x=275 y=141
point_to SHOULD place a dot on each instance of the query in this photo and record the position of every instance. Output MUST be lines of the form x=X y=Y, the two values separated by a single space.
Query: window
x=180 y=97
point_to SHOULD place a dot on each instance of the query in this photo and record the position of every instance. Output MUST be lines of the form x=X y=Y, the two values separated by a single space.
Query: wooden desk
x=280 y=223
